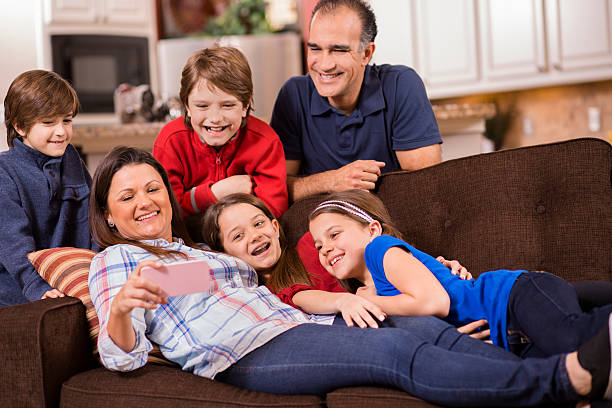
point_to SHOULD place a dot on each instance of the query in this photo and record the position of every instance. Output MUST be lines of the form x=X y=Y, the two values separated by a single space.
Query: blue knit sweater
x=43 y=204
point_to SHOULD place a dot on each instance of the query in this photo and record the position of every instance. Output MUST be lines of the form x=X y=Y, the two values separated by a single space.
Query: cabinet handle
x=557 y=66
x=541 y=68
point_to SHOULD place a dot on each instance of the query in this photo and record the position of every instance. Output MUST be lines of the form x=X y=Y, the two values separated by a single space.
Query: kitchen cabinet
x=462 y=47
x=397 y=40
x=113 y=12
x=440 y=46
x=446 y=41
x=512 y=38
x=516 y=40
x=580 y=33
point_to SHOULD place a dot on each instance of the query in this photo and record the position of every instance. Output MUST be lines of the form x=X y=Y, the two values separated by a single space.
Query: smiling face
x=49 y=136
x=335 y=62
x=139 y=204
x=215 y=115
x=248 y=234
x=341 y=243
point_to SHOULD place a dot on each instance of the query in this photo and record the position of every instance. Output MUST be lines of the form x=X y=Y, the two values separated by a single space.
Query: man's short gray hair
x=364 y=12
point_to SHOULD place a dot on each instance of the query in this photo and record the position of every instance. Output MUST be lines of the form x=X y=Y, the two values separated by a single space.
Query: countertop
x=472 y=111
x=103 y=137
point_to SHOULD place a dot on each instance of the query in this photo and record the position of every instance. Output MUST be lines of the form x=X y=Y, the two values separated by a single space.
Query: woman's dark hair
x=363 y=10
x=368 y=203
x=289 y=269
x=35 y=96
x=224 y=67
x=102 y=233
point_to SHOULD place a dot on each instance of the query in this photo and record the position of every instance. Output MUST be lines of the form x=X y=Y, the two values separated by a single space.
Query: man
x=346 y=122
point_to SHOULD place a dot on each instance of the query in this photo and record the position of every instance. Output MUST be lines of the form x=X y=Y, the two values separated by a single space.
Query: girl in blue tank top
x=529 y=313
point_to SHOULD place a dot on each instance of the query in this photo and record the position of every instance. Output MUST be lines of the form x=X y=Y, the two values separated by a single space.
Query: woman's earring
x=111 y=224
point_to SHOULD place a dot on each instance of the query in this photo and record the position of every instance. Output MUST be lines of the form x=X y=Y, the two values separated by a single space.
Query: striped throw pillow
x=67 y=269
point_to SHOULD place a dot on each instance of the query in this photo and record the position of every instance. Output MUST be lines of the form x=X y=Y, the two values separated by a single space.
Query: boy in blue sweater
x=44 y=184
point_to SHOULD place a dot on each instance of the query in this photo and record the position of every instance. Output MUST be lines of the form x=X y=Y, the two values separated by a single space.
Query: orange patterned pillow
x=67 y=270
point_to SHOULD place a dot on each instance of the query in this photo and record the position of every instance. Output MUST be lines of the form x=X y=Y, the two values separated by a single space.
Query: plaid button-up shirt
x=203 y=332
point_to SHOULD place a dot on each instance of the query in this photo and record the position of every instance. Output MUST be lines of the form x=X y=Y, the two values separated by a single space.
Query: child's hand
x=472 y=329
x=455 y=267
x=53 y=293
x=242 y=183
x=366 y=291
x=359 y=310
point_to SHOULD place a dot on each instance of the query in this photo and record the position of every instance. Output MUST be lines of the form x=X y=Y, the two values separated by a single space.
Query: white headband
x=348 y=207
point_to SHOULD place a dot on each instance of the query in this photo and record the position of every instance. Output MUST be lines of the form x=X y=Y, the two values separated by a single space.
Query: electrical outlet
x=527 y=126
x=594 y=115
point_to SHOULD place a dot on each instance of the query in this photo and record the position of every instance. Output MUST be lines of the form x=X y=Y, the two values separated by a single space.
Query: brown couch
x=543 y=208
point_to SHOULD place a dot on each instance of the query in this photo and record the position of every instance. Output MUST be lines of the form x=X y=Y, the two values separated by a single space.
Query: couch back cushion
x=546 y=207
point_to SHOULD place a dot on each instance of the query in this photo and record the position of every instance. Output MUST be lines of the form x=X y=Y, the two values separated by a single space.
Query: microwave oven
x=95 y=65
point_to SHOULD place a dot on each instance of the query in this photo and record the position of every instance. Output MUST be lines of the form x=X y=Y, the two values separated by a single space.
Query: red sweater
x=320 y=278
x=192 y=164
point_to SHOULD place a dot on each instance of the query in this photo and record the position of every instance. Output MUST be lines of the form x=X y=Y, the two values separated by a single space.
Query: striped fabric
x=202 y=332
x=67 y=269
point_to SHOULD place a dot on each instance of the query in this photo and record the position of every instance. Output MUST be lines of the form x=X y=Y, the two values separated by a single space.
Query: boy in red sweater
x=217 y=149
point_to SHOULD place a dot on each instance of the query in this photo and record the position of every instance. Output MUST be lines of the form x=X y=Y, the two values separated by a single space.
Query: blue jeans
x=545 y=317
x=316 y=359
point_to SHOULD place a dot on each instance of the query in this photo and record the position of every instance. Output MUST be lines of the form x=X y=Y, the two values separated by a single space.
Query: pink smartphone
x=180 y=278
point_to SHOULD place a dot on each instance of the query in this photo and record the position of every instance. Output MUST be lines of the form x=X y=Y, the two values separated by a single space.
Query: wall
x=19 y=46
x=556 y=113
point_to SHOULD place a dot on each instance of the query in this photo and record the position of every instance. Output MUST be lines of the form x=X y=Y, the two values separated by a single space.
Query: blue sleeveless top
x=470 y=300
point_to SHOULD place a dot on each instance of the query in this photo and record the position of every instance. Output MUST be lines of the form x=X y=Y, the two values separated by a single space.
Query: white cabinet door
x=580 y=33
x=396 y=39
x=70 y=11
x=114 y=12
x=127 y=11
x=447 y=41
x=512 y=38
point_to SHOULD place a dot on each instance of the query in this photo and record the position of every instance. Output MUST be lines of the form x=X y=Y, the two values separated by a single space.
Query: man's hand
x=235 y=184
x=471 y=329
x=455 y=267
x=358 y=174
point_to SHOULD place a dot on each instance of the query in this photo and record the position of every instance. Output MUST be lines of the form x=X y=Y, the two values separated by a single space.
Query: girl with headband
x=532 y=314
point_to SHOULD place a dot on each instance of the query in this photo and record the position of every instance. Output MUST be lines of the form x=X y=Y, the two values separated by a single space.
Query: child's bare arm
x=421 y=292
x=355 y=309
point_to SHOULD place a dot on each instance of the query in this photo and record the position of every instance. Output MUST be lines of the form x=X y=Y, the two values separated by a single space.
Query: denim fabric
x=316 y=359
x=440 y=333
x=545 y=318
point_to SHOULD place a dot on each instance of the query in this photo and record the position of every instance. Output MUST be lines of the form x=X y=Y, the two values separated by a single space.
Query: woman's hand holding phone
x=138 y=291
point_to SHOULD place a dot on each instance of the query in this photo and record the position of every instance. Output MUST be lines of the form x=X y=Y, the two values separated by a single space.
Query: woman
x=243 y=335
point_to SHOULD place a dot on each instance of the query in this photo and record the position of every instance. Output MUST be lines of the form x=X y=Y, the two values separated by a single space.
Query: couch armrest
x=42 y=343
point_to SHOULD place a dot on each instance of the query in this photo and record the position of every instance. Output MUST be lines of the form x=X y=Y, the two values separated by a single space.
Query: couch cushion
x=158 y=386
x=372 y=397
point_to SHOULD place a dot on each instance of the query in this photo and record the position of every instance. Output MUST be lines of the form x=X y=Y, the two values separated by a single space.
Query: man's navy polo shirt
x=392 y=113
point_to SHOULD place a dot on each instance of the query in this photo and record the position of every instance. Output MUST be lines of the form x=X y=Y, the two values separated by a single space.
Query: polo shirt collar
x=371 y=97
